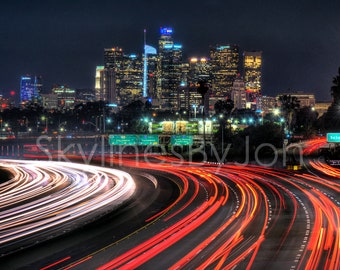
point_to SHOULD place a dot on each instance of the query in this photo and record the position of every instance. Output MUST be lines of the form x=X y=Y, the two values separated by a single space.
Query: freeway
x=186 y=215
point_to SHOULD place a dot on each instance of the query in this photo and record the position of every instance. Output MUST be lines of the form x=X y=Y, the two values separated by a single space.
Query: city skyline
x=63 y=42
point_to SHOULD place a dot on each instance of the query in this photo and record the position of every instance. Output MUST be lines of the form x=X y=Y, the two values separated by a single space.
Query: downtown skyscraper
x=120 y=80
x=252 y=68
x=169 y=69
x=30 y=88
x=224 y=67
x=162 y=74
x=199 y=70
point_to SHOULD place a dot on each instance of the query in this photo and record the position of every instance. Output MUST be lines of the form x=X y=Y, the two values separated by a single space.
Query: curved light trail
x=225 y=216
x=249 y=207
x=46 y=199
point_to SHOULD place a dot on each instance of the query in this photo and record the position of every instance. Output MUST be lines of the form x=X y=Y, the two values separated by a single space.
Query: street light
x=203 y=89
x=109 y=121
x=195 y=109
x=45 y=118
x=222 y=131
x=90 y=123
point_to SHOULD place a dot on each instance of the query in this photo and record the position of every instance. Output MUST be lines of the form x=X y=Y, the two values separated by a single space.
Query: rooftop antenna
x=145 y=74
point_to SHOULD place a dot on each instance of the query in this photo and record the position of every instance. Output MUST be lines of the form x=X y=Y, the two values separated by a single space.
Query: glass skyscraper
x=252 y=65
x=225 y=67
x=169 y=69
x=30 y=88
x=120 y=80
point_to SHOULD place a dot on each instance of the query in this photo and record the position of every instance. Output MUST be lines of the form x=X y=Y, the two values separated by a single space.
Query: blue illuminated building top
x=168 y=46
x=172 y=46
x=221 y=48
x=167 y=31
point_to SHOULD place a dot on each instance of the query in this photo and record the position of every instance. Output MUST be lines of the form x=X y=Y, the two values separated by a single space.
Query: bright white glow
x=44 y=195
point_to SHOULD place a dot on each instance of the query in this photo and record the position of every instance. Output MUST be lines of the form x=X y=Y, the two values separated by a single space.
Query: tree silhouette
x=202 y=89
x=331 y=119
x=335 y=89
x=289 y=106
x=224 y=107
x=305 y=121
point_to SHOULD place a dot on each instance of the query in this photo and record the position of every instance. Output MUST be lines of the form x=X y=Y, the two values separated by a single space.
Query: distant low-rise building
x=49 y=101
x=85 y=95
x=191 y=101
x=66 y=96
x=5 y=103
x=322 y=107
x=306 y=100
x=266 y=104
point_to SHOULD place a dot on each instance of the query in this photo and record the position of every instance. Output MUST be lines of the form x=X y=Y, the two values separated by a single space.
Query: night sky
x=64 y=40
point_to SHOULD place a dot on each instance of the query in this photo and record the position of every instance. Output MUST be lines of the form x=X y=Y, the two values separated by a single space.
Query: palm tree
x=289 y=106
x=335 y=89
x=224 y=107
x=331 y=119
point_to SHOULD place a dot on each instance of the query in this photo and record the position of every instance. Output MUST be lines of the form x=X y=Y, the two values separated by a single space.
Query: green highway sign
x=123 y=139
x=133 y=139
x=148 y=139
x=333 y=137
x=181 y=139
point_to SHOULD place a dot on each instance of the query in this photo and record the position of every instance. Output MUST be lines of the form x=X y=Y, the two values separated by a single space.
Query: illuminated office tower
x=98 y=88
x=165 y=39
x=238 y=94
x=252 y=64
x=130 y=84
x=225 y=67
x=169 y=69
x=151 y=78
x=30 y=88
x=199 y=70
x=108 y=75
x=108 y=86
x=113 y=63
x=113 y=58
x=120 y=80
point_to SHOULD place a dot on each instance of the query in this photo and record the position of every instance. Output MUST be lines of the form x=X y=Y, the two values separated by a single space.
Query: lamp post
x=46 y=122
x=90 y=123
x=203 y=89
x=222 y=131
x=109 y=105
x=195 y=109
